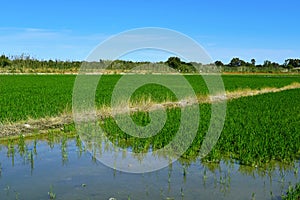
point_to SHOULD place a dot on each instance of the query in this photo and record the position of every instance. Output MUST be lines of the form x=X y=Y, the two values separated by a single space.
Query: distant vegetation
x=238 y=65
x=27 y=64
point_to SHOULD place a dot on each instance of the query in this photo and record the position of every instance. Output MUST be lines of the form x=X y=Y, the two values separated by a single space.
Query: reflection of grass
x=79 y=145
x=64 y=152
x=31 y=160
x=253 y=196
x=11 y=150
x=27 y=147
x=21 y=145
x=8 y=189
x=293 y=193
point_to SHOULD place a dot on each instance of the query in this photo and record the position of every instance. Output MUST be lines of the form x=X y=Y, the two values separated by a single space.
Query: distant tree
x=247 y=64
x=275 y=65
x=270 y=64
x=292 y=63
x=174 y=62
x=236 y=62
x=219 y=63
x=267 y=63
x=4 y=61
x=253 y=61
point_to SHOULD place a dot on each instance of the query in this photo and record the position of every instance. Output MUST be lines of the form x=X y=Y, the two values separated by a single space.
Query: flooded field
x=59 y=167
x=252 y=152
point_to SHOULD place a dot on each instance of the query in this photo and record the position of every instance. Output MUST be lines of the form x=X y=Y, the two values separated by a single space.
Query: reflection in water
x=29 y=167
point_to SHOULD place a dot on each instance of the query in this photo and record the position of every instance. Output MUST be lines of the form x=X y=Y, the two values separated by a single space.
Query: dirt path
x=45 y=124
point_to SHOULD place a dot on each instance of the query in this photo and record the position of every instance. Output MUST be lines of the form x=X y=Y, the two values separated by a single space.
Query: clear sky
x=70 y=29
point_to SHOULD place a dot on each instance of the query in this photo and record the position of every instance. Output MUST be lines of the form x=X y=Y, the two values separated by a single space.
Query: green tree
x=236 y=62
x=174 y=62
x=253 y=61
x=4 y=61
x=267 y=63
x=292 y=63
x=219 y=63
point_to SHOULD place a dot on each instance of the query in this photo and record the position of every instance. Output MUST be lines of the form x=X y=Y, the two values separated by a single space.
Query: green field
x=36 y=96
x=251 y=137
x=260 y=132
x=258 y=129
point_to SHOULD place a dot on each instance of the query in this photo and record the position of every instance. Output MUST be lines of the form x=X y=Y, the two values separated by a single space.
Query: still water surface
x=31 y=168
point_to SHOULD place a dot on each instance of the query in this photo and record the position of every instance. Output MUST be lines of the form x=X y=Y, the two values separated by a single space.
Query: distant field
x=35 y=96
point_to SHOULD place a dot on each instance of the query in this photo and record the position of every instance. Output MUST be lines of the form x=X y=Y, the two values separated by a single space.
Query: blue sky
x=70 y=30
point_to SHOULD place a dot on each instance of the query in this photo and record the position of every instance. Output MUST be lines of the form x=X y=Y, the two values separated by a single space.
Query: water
x=33 y=167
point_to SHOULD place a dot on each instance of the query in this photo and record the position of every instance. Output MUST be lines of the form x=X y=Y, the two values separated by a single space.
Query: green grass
x=36 y=96
x=234 y=82
x=258 y=130
x=262 y=128
x=293 y=193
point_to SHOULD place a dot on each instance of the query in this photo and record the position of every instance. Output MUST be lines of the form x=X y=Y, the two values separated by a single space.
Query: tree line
x=237 y=62
x=25 y=63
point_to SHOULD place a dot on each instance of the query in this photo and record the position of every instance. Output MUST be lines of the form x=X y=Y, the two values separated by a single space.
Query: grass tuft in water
x=51 y=194
x=293 y=193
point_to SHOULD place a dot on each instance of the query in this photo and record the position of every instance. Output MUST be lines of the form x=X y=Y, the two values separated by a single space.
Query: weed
x=51 y=194
x=293 y=193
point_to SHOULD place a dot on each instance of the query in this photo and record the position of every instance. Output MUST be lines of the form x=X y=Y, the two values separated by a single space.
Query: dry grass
x=248 y=92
